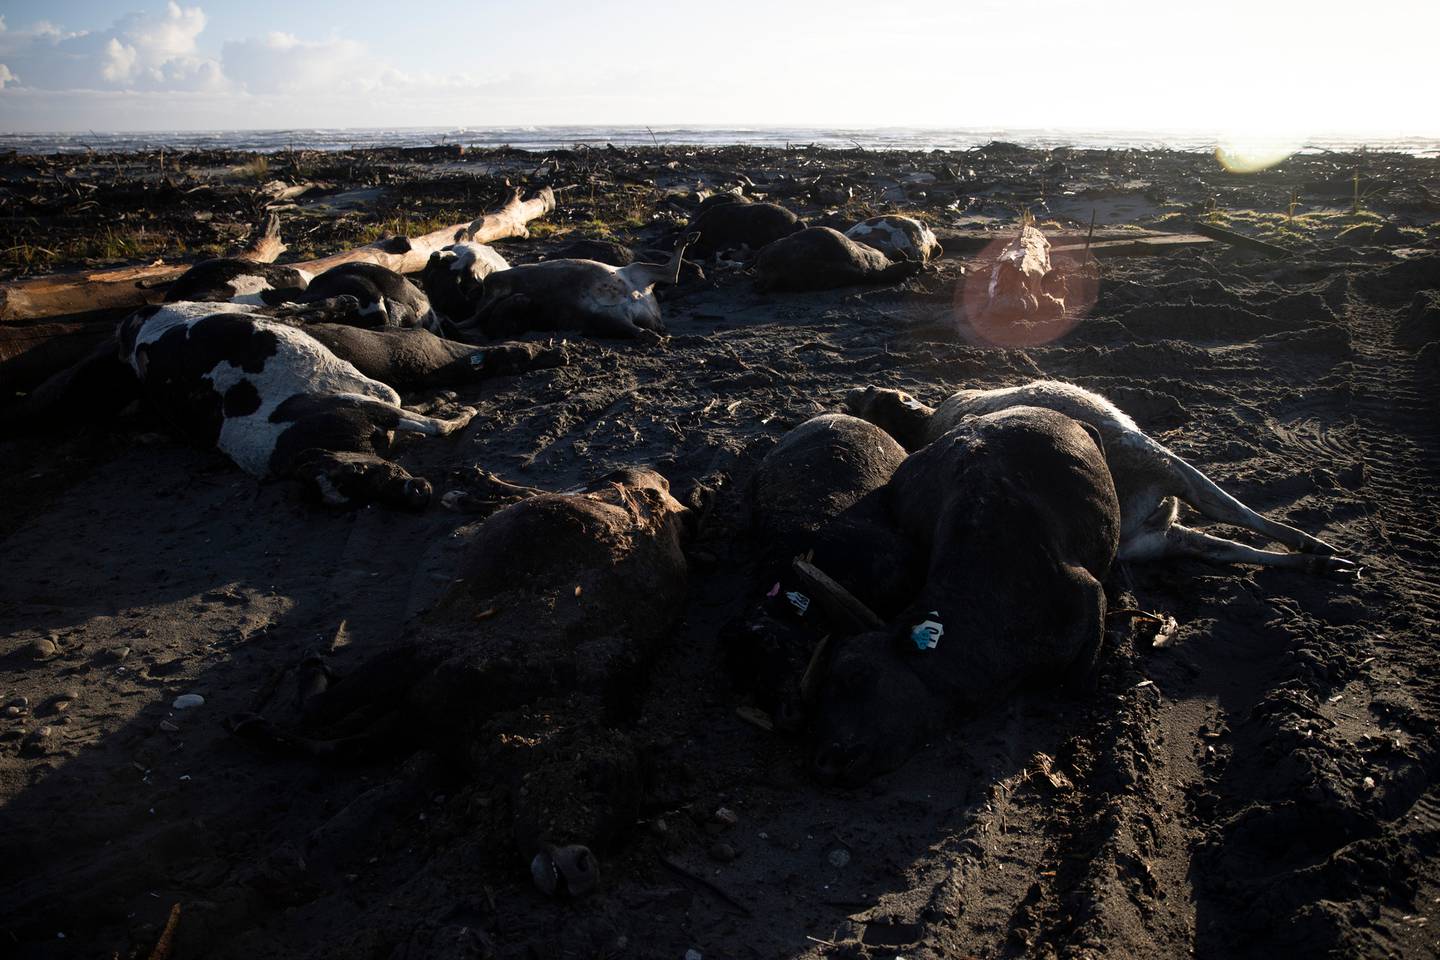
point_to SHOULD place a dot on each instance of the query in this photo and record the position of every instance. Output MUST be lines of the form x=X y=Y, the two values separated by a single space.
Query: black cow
x=1018 y=516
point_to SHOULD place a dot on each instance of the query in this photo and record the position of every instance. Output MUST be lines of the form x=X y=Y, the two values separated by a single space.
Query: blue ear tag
x=926 y=635
x=799 y=601
x=477 y=359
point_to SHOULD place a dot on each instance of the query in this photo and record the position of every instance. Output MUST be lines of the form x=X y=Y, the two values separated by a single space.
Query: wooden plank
x=967 y=241
x=1241 y=240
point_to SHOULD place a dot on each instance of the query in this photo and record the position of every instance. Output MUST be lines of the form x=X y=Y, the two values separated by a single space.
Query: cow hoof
x=1337 y=568
x=569 y=871
x=254 y=728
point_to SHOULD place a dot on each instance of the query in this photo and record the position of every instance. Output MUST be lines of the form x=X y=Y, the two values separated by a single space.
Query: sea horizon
x=542 y=138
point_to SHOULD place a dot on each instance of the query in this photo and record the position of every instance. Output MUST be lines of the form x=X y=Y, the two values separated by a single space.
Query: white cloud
x=140 y=51
x=283 y=63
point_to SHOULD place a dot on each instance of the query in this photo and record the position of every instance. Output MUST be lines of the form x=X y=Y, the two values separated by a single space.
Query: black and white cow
x=237 y=280
x=1151 y=479
x=386 y=298
x=454 y=278
x=899 y=238
x=276 y=401
x=1018 y=516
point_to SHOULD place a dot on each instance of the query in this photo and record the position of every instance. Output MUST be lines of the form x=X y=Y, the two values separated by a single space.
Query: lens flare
x=998 y=305
x=1253 y=154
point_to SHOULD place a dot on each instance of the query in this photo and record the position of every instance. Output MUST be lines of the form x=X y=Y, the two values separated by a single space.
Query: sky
x=1233 y=67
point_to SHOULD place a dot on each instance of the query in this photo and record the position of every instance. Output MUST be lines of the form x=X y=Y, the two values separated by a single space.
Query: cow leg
x=1207 y=497
x=1180 y=541
x=411 y=421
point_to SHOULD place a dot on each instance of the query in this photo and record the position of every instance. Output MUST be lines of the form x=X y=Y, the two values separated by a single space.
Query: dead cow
x=561 y=598
x=237 y=280
x=1151 y=479
x=1023 y=286
x=899 y=238
x=729 y=223
x=584 y=295
x=386 y=298
x=819 y=258
x=277 y=402
x=454 y=278
x=1018 y=516
x=819 y=493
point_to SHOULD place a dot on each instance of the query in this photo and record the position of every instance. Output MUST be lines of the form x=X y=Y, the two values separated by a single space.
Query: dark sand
x=1265 y=786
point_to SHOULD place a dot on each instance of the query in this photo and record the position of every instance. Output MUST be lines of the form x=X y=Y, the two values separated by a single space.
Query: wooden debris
x=89 y=291
x=1241 y=240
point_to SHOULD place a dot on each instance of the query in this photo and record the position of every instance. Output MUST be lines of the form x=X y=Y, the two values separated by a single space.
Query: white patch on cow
x=377 y=307
x=895 y=236
x=301 y=364
x=305 y=277
x=477 y=259
x=329 y=492
x=247 y=289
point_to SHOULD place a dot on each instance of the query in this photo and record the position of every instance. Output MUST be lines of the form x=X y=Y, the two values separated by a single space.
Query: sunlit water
x=552 y=138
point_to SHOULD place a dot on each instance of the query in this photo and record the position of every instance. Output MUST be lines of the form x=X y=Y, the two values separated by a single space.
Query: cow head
x=894 y=411
x=349 y=480
x=872 y=711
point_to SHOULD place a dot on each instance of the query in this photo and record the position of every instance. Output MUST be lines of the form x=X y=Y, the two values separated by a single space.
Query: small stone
x=43 y=648
x=722 y=852
x=188 y=700
x=693 y=954
x=839 y=858
x=726 y=816
x=12 y=712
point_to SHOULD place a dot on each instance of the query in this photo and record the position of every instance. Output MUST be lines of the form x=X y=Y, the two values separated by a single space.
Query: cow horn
x=809 y=680
x=840 y=605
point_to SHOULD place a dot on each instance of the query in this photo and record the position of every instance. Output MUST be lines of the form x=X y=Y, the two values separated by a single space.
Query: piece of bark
x=93 y=290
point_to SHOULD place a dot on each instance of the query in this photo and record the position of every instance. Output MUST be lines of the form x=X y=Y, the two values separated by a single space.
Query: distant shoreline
x=571 y=137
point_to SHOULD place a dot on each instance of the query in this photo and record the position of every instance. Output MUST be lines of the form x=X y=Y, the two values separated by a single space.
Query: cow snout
x=845 y=763
x=417 y=493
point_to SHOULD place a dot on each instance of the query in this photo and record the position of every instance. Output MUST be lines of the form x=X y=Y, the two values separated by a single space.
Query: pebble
x=839 y=858
x=693 y=954
x=722 y=852
x=187 y=700
x=43 y=648
x=726 y=816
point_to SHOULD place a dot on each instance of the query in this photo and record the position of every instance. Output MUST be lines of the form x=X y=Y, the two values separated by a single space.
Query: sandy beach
x=1262 y=786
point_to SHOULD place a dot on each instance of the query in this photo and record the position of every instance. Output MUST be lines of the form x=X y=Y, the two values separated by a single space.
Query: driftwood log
x=30 y=351
x=94 y=290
